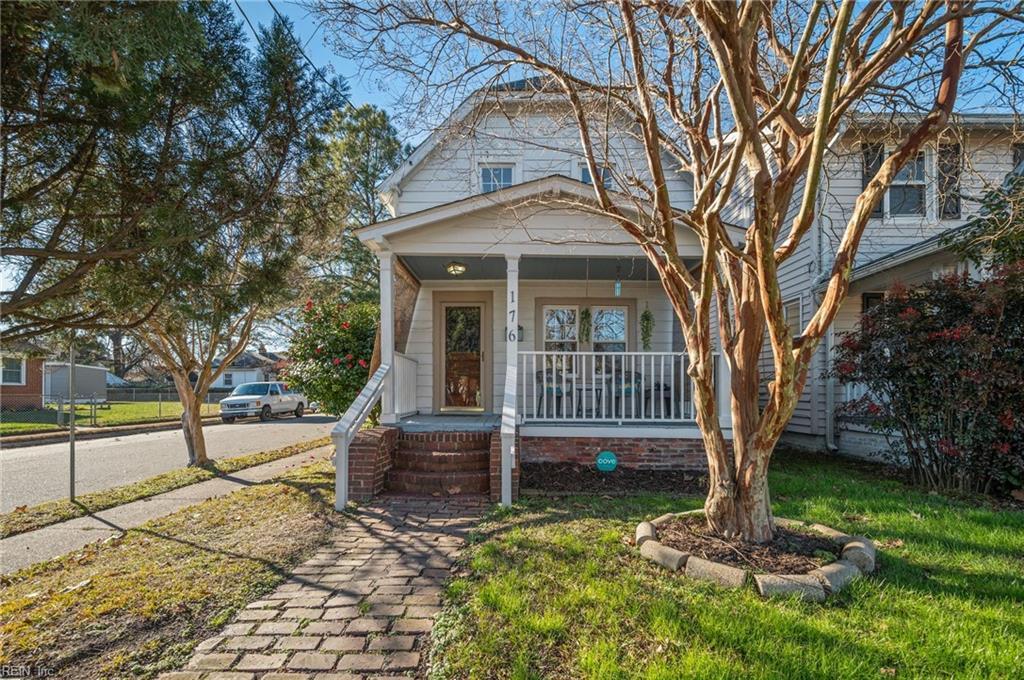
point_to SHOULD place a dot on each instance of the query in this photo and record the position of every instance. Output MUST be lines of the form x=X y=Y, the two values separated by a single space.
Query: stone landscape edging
x=856 y=557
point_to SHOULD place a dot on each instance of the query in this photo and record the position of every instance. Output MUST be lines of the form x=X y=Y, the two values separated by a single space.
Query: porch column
x=509 y=416
x=387 y=335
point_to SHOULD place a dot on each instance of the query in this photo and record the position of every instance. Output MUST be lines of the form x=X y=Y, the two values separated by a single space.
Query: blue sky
x=311 y=35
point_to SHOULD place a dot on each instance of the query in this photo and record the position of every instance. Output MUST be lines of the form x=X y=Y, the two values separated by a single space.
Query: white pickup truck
x=263 y=399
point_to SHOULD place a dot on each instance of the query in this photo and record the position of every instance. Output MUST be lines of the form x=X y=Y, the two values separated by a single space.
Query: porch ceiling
x=432 y=268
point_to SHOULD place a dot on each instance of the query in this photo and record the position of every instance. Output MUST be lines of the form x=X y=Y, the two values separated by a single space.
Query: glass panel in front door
x=463 y=360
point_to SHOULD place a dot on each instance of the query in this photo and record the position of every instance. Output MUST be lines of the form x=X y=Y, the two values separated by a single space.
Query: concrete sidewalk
x=23 y=550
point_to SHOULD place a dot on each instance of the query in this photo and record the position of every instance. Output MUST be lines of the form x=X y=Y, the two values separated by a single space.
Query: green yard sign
x=606 y=461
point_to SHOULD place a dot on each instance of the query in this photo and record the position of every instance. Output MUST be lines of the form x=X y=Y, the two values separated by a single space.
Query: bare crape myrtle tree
x=745 y=98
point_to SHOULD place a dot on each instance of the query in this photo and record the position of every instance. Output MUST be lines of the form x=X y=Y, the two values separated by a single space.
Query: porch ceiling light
x=455 y=268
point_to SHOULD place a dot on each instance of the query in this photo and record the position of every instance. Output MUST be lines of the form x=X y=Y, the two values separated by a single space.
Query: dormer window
x=495 y=176
x=606 y=176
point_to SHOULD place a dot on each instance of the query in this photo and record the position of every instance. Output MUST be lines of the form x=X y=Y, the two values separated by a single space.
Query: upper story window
x=606 y=176
x=930 y=179
x=791 y=313
x=229 y=380
x=494 y=177
x=13 y=371
x=1018 y=155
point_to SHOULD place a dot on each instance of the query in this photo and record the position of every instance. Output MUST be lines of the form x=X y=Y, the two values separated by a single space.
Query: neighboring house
x=248 y=367
x=906 y=241
x=90 y=382
x=21 y=383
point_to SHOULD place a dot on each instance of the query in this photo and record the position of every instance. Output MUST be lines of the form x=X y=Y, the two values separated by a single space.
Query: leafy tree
x=944 y=370
x=744 y=98
x=209 y=293
x=996 y=236
x=363 y=149
x=127 y=127
x=330 y=353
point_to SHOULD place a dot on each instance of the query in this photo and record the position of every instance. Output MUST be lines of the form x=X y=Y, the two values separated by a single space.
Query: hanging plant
x=646 y=328
x=585 y=325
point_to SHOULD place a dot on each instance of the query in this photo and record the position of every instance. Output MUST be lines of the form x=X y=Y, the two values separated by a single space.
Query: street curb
x=23 y=440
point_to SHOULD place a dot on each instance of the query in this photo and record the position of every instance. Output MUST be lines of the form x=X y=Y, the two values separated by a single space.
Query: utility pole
x=71 y=430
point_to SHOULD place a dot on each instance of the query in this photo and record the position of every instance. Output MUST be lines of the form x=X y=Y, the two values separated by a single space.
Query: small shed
x=90 y=382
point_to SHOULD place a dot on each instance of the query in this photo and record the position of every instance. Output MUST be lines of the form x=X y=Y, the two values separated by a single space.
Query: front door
x=463 y=355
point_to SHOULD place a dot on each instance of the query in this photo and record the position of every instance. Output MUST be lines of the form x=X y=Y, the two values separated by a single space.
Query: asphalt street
x=33 y=474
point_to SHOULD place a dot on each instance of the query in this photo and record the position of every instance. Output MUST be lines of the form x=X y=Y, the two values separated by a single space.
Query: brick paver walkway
x=362 y=607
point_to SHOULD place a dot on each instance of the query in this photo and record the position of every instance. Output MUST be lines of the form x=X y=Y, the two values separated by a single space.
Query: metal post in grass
x=159 y=404
x=71 y=430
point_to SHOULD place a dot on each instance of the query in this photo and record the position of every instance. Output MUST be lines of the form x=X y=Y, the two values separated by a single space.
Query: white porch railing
x=612 y=387
x=347 y=428
x=405 y=384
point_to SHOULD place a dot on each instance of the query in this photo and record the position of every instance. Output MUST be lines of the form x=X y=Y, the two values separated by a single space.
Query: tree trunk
x=192 y=429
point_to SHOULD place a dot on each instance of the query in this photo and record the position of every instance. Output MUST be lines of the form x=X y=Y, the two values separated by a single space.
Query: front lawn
x=107 y=414
x=555 y=590
x=137 y=605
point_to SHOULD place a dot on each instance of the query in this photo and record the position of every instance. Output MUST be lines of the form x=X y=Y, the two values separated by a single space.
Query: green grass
x=110 y=413
x=554 y=590
x=137 y=605
x=51 y=512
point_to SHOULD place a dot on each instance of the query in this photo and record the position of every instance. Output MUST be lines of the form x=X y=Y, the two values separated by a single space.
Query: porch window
x=495 y=177
x=609 y=332
x=13 y=371
x=561 y=329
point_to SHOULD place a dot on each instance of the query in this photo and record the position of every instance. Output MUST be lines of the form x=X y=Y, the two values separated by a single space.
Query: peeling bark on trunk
x=192 y=429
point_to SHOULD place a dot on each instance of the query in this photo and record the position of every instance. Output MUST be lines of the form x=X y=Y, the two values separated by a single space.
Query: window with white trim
x=907 y=196
x=13 y=370
x=609 y=329
x=791 y=313
x=561 y=328
x=229 y=380
x=495 y=176
x=606 y=176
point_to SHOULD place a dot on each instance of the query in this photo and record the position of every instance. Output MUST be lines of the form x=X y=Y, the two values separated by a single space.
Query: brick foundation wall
x=370 y=456
x=632 y=452
x=496 y=468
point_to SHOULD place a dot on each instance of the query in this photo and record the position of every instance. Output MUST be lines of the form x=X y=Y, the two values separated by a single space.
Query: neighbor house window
x=606 y=176
x=609 y=332
x=561 y=329
x=950 y=160
x=791 y=313
x=869 y=301
x=907 y=190
x=14 y=371
x=495 y=177
x=229 y=380
x=907 y=193
x=1018 y=155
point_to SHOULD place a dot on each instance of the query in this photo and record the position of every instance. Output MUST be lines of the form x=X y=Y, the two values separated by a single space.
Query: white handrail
x=508 y=433
x=348 y=426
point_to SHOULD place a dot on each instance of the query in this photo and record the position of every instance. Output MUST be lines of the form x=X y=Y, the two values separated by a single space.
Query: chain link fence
x=30 y=413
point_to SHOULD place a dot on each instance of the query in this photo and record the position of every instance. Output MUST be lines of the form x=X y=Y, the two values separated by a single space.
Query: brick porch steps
x=441 y=463
x=439 y=483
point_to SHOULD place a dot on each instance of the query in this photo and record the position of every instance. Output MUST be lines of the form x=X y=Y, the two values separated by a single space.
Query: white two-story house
x=519 y=327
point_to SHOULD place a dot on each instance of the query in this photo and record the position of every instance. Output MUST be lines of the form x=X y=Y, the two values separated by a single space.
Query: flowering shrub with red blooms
x=944 y=370
x=330 y=353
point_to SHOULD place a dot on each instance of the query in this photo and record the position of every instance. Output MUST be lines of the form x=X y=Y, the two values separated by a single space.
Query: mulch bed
x=790 y=552
x=571 y=478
